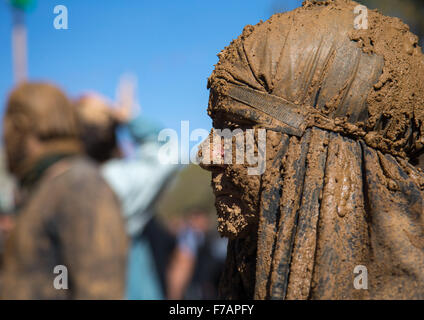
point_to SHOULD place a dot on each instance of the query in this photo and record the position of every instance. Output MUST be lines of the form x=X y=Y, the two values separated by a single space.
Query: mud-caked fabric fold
x=341 y=195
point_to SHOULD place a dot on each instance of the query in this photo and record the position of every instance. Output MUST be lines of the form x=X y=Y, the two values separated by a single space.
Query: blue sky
x=171 y=47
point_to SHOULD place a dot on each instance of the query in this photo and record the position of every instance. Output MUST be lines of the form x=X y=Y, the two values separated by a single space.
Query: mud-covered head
x=98 y=127
x=367 y=84
x=39 y=119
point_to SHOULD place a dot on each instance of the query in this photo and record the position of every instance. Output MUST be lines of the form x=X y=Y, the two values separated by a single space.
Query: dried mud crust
x=392 y=100
x=394 y=103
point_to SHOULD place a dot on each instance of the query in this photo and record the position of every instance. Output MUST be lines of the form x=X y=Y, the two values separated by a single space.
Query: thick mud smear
x=344 y=193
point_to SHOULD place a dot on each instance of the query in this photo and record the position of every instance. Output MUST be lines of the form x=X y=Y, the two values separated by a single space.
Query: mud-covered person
x=339 y=211
x=69 y=240
x=138 y=182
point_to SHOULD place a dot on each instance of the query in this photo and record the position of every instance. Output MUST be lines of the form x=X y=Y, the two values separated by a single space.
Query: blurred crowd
x=85 y=204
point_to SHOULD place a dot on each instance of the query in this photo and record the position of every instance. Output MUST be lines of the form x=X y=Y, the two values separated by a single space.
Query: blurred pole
x=19 y=45
x=126 y=95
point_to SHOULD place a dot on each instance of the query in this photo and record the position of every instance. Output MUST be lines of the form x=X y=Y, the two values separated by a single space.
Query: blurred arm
x=139 y=181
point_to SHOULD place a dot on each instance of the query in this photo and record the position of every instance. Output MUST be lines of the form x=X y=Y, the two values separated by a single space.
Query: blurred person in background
x=138 y=182
x=66 y=213
x=198 y=259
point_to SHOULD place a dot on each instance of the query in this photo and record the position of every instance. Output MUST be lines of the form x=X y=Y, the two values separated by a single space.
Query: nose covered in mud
x=241 y=147
x=236 y=192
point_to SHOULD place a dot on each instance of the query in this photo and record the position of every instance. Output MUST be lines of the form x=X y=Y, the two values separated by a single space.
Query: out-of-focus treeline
x=190 y=189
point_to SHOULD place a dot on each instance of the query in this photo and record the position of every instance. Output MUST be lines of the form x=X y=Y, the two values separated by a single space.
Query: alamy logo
x=219 y=147
x=60 y=282
x=61 y=20
x=361 y=280
x=361 y=20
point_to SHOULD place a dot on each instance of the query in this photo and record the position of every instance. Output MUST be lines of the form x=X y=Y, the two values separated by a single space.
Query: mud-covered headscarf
x=350 y=106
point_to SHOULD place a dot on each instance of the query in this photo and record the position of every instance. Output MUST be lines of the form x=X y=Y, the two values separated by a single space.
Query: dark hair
x=97 y=127
x=100 y=143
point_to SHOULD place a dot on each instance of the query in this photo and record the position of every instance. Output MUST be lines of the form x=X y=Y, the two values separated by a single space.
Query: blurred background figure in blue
x=198 y=259
x=137 y=180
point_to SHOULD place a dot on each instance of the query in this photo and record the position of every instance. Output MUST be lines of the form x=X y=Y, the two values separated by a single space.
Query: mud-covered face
x=236 y=196
x=236 y=189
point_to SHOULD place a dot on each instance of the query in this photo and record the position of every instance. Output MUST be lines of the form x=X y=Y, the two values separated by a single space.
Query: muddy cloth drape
x=347 y=195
